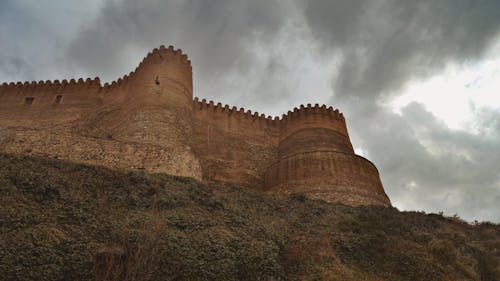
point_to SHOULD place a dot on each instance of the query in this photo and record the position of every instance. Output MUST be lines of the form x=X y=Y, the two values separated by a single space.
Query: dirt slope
x=62 y=221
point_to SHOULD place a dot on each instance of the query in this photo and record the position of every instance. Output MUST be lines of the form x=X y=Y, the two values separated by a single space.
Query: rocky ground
x=63 y=221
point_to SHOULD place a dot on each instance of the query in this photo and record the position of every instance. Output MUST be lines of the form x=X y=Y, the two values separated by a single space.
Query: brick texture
x=149 y=120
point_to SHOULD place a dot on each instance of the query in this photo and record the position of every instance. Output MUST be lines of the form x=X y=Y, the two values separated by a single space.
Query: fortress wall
x=140 y=121
x=152 y=106
x=163 y=76
x=162 y=70
x=307 y=151
x=149 y=120
x=313 y=128
x=42 y=104
x=327 y=175
x=13 y=92
x=315 y=157
x=312 y=117
x=234 y=146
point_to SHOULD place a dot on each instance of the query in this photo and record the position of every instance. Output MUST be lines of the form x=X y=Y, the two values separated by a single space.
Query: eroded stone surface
x=149 y=120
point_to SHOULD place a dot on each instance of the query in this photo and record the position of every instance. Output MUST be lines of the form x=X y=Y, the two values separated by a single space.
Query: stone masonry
x=148 y=120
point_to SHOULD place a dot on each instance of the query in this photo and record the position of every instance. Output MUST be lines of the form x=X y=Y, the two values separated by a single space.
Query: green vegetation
x=62 y=221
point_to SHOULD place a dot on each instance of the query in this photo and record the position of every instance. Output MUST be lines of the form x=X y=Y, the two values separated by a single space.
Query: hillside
x=57 y=219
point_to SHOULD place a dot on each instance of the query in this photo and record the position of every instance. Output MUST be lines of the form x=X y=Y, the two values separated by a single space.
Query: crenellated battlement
x=234 y=112
x=48 y=86
x=169 y=54
x=303 y=112
x=316 y=110
x=148 y=119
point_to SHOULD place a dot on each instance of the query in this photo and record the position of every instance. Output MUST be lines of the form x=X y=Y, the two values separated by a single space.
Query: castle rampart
x=234 y=146
x=149 y=120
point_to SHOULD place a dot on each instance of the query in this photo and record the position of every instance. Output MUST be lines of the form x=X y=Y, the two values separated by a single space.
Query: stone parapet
x=149 y=120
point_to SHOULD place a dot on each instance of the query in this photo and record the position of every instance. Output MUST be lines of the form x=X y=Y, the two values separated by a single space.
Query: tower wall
x=152 y=107
x=328 y=175
x=316 y=158
x=313 y=128
x=148 y=120
x=141 y=121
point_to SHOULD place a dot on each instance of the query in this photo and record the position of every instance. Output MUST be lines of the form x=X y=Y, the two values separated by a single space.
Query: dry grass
x=61 y=221
x=126 y=260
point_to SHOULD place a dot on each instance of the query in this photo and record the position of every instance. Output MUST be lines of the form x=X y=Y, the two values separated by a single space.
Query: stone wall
x=149 y=120
x=316 y=158
x=328 y=175
x=141 y=121
x=234 y=146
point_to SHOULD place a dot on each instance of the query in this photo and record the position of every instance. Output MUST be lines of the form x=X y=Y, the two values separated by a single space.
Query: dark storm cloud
x=386 y=43
x=223 y=39
x=218 y=35
x=426 y=165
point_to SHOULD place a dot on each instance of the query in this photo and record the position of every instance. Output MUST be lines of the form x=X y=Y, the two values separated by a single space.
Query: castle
x=148 y=120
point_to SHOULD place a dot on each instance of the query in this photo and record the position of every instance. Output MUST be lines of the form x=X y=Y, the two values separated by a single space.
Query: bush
x=444 y=251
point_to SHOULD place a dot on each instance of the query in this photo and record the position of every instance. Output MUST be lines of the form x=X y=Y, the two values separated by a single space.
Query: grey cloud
x=15 y=67
x=33 y=37
x=224 y=39
x=488 y=121
x=219 y=36
x=424 y=164
x=386 y=43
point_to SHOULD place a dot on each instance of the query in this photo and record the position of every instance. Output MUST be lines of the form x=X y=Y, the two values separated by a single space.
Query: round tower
x=152 y=107
x=316 y=158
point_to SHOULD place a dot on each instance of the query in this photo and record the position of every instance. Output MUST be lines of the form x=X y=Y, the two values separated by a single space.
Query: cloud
x=219 y=36
x=426 y=165
x=34 y=37
x=384 y=44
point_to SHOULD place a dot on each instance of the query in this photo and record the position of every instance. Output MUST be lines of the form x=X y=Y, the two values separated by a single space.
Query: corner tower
x=316 y=158
x=151 y=109
x=147 y=120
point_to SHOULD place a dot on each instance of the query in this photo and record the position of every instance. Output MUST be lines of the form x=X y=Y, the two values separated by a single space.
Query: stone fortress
x=148 y=120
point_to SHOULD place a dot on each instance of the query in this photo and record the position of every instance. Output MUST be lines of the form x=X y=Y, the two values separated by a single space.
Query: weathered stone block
x=148 y=120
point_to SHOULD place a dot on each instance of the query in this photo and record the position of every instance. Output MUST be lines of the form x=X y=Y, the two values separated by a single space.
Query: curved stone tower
x=148 y=120
x=152 y=107
x=316 y=158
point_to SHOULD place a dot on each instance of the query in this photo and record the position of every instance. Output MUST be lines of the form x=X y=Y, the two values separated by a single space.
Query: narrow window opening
x=58 y=99
x=29 y=100
x=157 y=82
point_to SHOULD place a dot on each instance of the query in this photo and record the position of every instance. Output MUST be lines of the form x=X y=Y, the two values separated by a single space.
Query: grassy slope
x=57 y=217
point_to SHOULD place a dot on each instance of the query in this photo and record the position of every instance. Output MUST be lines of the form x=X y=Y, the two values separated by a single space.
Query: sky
x=418 y=81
